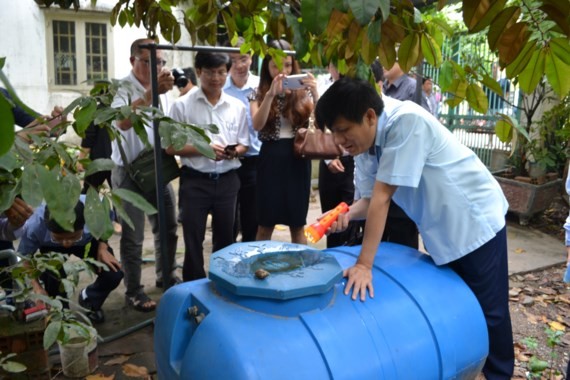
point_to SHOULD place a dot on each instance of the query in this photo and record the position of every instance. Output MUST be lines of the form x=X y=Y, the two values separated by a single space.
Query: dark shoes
x=95 y=316
x=175 y=281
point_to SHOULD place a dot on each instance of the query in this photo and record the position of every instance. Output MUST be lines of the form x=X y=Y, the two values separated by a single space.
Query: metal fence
x=473 y=129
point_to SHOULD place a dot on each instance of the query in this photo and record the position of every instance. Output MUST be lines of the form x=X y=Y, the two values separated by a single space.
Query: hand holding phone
x=230 y=150
x=294 y=82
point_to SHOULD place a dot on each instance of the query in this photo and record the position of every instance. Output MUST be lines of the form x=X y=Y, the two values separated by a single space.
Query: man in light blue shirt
x=403 y=153
x=240 y=84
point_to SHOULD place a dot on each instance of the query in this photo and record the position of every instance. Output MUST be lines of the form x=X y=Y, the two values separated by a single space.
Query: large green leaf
x=6 y=125
x=363 y=10
x=522 y=60
x=31 y=185
x=98 y=215
x=446 y=75
x=61 y=193
x=493 y=85
x=431 y=50
x=504 y=20
x=315 y=14
x=512 y=42
x=385 y=9
x=458 y=90
x=557 y=73
x=531 y=75
x=136 y=200
x=84 y=116
x=561 y=48
x=476 y=98
x=51 y=333
x=99 y=165
x=409 y=52
x=121 y=213
x=558 y=11
x=478 y=14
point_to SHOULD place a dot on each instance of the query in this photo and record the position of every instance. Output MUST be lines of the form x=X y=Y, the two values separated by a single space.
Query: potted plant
x=70 y=329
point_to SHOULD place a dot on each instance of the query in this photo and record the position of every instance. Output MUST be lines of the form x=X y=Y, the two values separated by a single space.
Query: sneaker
x=95 y=316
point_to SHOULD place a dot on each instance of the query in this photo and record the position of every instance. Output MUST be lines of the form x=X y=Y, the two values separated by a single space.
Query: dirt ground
x=540 y=306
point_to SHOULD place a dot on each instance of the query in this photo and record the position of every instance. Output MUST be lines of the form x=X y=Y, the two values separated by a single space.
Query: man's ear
x=370 y=117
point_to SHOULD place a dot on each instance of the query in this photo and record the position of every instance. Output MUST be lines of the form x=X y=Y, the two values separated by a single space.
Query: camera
x=180 y=79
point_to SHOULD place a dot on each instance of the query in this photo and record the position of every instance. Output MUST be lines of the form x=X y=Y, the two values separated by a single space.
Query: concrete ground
x=127 y=347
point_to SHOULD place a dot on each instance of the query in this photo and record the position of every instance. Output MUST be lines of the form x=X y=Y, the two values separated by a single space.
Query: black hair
x=348 y=98
x=424 y=79
x=53 y=226
x=191 y=75
x=211 y=60
x=377 y=70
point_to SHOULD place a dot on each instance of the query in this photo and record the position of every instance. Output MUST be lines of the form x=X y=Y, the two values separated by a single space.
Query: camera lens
x=180 y=79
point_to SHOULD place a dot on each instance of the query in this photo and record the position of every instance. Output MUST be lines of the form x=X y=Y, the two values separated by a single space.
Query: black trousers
x=98 y=291
x=199 y=195
x=246 y=209
x=485 y=271
x=400 y=228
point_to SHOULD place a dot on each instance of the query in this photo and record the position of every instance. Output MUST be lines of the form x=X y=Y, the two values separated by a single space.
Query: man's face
x=212 y=79
x=240 y=65
x=141 y=65
x=355 y=138
x=66 y=239
x=427 y=86
x=393 y=73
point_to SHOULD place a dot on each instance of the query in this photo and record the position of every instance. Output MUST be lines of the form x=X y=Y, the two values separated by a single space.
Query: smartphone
x=230 y=148
x=294 y=82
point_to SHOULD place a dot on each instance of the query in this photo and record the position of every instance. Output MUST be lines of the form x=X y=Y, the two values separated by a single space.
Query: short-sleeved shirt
x=131 y=142
x=242 y=94
x=228 y=114
x=442 y=185
x=403 y=88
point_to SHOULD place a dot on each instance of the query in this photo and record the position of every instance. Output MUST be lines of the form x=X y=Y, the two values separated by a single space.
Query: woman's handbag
x=313 y=143
x=142 y=170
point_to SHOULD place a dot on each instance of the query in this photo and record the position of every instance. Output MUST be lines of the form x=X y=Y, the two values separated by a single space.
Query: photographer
x=185 y=80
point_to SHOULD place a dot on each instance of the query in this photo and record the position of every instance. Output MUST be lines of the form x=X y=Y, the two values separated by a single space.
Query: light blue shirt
x=242 y=94
x=442 y=185
x=36 y=235
x=567 y=224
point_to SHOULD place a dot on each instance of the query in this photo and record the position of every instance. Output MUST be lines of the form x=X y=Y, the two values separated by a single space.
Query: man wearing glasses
x=45 y=235
x=137 y=92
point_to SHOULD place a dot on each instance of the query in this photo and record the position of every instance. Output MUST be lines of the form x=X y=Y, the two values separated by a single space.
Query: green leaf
x=476 y=98
x=558 y=12
x=557 y=73
x=13 y=367
x=118 y=205
x=99 y=165
x=31 y=185
x=430 y=50
x=363 y=10
x=136 y=200
x=409 y=52
x=61 y=193
x=522 y=60
x=51 y=333
x=478 y=14
x=504 y=130
x=561 y=48
x=6 y=125
x=492 y=85
x=512 y=41
x=503 y=21
x=84 y=116
x=315 y=15
x=531 y=75
x=446 y=75
x=385 y=9
x=536 y=365
x=97 y=215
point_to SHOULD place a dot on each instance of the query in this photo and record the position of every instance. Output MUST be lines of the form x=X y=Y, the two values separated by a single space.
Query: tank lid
x=290 y=270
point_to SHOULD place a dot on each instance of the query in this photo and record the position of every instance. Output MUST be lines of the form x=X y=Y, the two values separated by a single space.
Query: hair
x=425 y=79
x=190 y=73
x=211 y=60
x=136 y=49
x=53 y=226
x=297 y=107
x=348 y=98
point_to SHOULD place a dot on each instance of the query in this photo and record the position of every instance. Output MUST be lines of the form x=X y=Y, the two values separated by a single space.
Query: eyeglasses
x=67 y=240
x=160 y=62
x=212 y=73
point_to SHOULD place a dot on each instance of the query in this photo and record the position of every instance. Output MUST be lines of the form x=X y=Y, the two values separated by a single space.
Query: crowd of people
x=399 y=160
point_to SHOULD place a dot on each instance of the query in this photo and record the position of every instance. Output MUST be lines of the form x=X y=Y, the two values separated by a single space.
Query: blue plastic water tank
x=424 y=322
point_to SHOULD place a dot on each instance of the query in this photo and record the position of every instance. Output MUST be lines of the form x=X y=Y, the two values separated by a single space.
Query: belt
x=213 y=176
